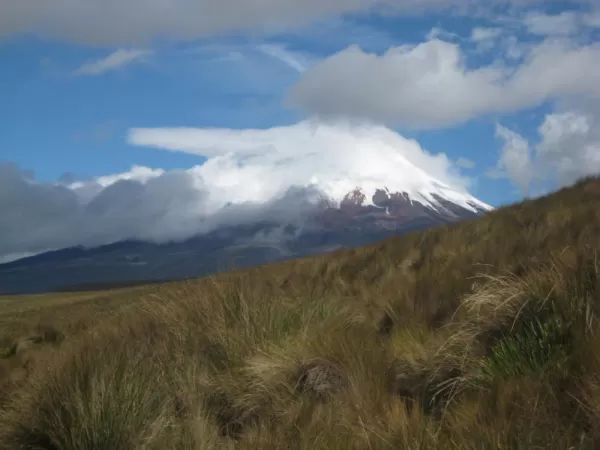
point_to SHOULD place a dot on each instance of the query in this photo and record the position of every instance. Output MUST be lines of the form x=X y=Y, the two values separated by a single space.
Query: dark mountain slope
x=354 y=222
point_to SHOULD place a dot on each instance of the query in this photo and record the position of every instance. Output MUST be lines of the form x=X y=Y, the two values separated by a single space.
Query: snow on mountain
x=334 y=185
x=259 y=165
x=426 y=191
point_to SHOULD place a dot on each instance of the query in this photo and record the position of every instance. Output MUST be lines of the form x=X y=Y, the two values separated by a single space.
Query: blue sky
x=508 y=93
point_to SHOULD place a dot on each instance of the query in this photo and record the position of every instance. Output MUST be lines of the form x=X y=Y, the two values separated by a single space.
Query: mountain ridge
x=358 y=219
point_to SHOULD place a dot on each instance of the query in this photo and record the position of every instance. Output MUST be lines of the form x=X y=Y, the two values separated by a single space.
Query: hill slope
x=482 y=334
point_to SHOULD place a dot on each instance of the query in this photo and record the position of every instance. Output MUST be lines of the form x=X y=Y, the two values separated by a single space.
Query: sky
x=119 y=114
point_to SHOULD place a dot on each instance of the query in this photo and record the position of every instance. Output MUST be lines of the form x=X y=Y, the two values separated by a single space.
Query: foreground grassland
x=481 y=335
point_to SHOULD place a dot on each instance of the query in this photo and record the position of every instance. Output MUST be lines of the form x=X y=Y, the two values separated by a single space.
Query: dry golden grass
x=480 y=335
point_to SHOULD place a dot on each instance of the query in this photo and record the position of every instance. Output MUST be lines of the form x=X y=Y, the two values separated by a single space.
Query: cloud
x=249 y=175
x=14 y=256
x=566 y=23
x=485 y=38
x=339 y=155
x=278 y=51
x=569 y=23
x=429 y=85
x=117 y=22
x=592 y=19
x=118 y=59
x=515 y=161
x=568 y=149
x=440 y=33
x=479 y=34
x=465 y=163
x=514 y=49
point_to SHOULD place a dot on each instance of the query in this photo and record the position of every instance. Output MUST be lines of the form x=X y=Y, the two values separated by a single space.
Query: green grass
x=479 y=335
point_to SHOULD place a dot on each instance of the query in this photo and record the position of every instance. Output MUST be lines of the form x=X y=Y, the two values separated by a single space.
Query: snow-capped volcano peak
x=258 y=166
x=430 y=194
x=304 y=188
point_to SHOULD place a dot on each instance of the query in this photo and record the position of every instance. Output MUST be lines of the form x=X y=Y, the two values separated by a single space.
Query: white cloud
x=14 y=256
x=440 y=33
x=515 y=160
x=592 y=19
x=118 y=22
x=568 y=149
x=115 y=60
x=249 y=175
x=515 y=49
x=429 y=85
x=569 y=23
x=479 y=34
x=565 y=23
x=279 y=51
x=570 y=146
x=341 y=156
x=485 y=38
x=465 y=163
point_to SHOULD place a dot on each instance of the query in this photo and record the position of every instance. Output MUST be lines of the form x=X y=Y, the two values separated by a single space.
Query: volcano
x=362 y=216
x=261 y=196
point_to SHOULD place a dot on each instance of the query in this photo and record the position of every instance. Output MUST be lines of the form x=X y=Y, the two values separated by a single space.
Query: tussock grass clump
x=480 y=335
x=39 y=336
x=539 y=345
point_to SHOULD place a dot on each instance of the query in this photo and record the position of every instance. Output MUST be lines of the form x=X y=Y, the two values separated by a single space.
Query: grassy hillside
x=480 y=335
